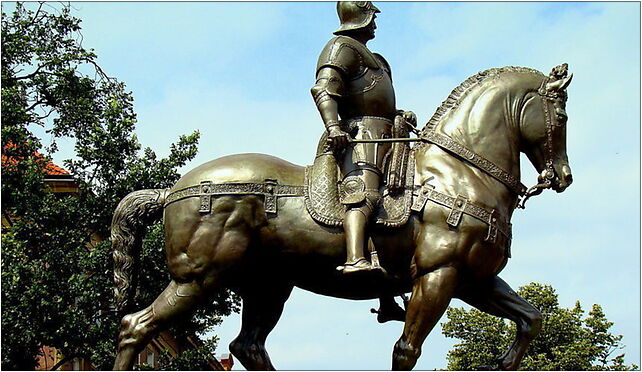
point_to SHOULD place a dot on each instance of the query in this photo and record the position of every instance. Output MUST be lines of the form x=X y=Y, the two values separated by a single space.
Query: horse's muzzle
x=563 y=179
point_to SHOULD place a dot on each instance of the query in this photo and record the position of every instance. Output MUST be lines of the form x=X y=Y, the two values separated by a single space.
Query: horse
x=454 y=244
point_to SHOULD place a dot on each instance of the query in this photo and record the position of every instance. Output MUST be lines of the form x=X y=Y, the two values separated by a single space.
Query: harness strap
x=460 y=205
x=462 y=152
x=475 y=159
x=269 y=189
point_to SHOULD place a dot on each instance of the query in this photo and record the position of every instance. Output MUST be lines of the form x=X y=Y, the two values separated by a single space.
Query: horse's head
x=543 y=130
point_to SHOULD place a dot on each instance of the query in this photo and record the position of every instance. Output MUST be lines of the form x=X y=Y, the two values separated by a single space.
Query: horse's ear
x=566 y=82
x=558 y=79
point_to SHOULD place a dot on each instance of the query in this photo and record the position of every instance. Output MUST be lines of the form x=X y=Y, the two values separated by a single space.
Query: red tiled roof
x=54 y=170
x=50 y=168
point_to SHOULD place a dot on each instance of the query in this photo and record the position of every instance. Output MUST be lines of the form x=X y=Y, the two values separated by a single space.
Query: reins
x=544 y=180
x=461 y=152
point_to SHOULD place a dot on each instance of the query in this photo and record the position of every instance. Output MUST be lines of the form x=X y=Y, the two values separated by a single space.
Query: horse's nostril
x=568 y=178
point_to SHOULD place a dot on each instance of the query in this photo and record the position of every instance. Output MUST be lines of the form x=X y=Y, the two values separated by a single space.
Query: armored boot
x=355 y=229
x=390 y=310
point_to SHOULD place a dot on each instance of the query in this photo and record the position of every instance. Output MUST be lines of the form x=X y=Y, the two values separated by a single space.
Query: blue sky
x=241 y=72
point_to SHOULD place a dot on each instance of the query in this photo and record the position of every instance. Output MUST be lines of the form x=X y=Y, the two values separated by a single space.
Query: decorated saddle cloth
x=322 y=195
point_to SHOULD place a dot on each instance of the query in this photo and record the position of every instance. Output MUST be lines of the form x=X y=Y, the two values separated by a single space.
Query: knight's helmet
x=355 y=15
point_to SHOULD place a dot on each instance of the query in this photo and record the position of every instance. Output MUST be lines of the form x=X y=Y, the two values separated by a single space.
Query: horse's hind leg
x=137 y=329
x=261 y=311
x=431 y=295
x=494 y=296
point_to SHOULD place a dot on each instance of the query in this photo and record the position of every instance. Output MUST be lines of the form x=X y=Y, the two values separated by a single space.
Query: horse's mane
x=462 y=90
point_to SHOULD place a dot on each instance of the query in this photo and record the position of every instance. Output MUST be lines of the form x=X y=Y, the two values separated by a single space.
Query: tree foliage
x=570 y=340
x=56 y=257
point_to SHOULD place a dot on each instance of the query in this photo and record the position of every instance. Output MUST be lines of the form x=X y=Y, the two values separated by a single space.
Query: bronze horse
x=467 y=160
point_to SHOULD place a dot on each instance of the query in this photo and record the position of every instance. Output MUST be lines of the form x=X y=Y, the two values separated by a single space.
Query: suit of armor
x=355 y=85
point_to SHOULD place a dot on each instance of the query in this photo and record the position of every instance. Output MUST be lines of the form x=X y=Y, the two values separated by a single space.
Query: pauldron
x=348 y=56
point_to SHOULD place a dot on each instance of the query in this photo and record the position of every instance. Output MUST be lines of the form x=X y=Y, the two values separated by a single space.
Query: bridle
x=546 y=177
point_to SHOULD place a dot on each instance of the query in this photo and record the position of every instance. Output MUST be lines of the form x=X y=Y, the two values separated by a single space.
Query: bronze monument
x=432 y=219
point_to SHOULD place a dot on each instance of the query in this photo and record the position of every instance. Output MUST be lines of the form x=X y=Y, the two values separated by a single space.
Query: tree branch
x=100 y=71
x=38 y=102
x=46 y=115
x=33 y=74
x=35 y=16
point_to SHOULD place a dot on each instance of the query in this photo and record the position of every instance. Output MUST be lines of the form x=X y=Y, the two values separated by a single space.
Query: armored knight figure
x=356 y=100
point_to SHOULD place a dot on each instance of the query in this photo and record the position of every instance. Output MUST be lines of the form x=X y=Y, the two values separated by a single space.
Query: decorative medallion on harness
x=457 y=210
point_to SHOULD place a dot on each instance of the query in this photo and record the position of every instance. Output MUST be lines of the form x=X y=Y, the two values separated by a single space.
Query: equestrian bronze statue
x=432 y=219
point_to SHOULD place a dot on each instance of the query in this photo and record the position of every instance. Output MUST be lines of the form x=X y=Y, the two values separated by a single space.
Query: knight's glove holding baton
x=337 y=138
x=409 y=117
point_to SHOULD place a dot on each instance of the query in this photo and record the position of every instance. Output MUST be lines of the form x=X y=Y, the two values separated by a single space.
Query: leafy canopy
x=569 y=340
x=56 y=256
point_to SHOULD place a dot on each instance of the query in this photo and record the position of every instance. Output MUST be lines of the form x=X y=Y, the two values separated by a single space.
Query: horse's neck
x=484 y=123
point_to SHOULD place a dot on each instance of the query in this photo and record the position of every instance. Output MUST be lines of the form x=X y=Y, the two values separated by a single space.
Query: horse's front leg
x=431 y=295
x=494 y=296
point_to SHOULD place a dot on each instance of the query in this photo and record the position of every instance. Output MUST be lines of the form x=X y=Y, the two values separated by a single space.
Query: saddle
x=322 y=193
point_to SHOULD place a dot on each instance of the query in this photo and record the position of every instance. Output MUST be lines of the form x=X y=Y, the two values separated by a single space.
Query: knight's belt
x=375 y=124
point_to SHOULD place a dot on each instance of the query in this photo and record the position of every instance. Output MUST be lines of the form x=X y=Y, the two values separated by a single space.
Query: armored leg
x=361 y=206
x=361 y=167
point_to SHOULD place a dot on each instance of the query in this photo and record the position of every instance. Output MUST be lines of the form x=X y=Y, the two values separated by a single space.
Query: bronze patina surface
x=241 y=221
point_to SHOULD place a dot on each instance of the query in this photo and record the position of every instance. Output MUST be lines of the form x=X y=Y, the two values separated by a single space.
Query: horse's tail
x=133 y=214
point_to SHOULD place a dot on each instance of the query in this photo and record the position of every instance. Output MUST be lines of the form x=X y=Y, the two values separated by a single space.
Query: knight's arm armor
x=338 y=61
x=326 y=92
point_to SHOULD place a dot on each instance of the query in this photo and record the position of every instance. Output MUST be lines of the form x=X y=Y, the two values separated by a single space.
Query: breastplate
x=369 y=94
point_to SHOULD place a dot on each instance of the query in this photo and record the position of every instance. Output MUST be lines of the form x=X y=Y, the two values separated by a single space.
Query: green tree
x=56 y=257
x=569 y=340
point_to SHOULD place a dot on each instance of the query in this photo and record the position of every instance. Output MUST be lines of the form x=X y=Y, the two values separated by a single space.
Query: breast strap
x=461 y=151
